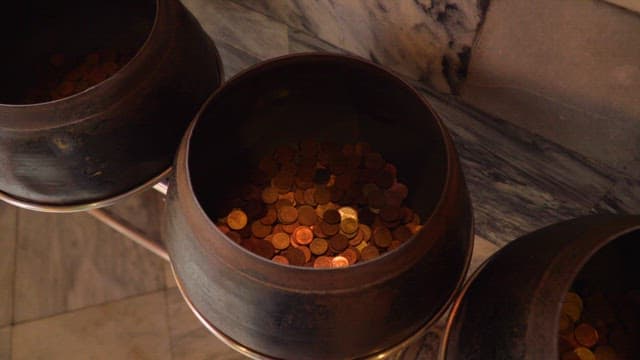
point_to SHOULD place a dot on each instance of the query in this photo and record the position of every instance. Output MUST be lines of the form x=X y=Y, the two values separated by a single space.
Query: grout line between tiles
x=88 y=307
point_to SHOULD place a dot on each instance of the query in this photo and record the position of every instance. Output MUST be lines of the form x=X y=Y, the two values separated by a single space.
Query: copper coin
x=237 y=219
x=302 y=235
x=400 y=189
x=365 y=216
x=284 y=153
x=339 y=262
x=369 y=252
x=382 y=237
x=384 y=179
x=280 y=240
x=307 y=215
x=336 y=194
x=322 y=195
x=331 y=216
x=295 y=256
x=368 y=188
x=351 y=255
x=224 y=228
x=287 y=214
x=253 y=208
x=269 y=195
x=344 y=181
x=329 y=229
x=262 y=247
x=580 y=353
x=282 y=182
x=362 y=148
x=280 y=260
x=354 y=241
x=392 y=199
x=299 y=196
x=260 y=230
x=586 y=335
x=235 y=237
x=322 y=262
x=394 y=245
x=302 y=183
x=289 y=228
x=318 y=246
x=270 y=217
x=309 y=197
x=317 y=230
x=366 y=231
x=377 y=199
x=338 y=242
x=402 y=233
x=605 y=352
x=407 y=215
x=374 y=161
x=307 y=253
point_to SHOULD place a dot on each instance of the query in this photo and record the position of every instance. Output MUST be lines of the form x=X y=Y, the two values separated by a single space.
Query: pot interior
x=324 y=98
x=45 y=40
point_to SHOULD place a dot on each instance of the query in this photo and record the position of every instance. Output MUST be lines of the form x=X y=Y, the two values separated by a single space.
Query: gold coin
x=572 y=309
x=347 y=212
x=349 y=226
x=574 y=298
x=339 y=262
x=269 y=195
x=280 y=240
x=318 y=246
x=237 y=219
x=361 y=246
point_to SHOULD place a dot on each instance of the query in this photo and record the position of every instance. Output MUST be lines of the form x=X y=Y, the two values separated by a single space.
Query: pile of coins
x=67 y=76
x=596 y=329
x=321 y=205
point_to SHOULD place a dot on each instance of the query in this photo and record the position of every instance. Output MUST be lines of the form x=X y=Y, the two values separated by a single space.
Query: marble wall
x=425 y=40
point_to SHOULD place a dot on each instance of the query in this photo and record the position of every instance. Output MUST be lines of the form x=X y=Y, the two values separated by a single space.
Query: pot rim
x=620 y=232
x=182 y=164
x=160 y=8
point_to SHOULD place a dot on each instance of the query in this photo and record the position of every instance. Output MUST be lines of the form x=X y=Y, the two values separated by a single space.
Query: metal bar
x=129 y=231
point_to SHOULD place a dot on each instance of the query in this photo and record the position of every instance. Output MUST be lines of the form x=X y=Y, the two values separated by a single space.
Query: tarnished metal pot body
x=511 y=308
x=276 y=311
x=118 y=134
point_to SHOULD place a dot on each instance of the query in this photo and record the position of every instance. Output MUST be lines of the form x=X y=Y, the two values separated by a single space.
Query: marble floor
x=72 y=288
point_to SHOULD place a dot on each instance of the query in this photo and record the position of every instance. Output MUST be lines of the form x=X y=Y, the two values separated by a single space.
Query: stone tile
x=135 y=328
x=70 y=261
x=189 y=339
x=424 y=40
x=5 y=343
x=8 y=231
x=144 y=211
x=518 y=181
x=301 y=41
x=570 y=72
x=632 y=5
x=243 y=28
x=623 y=198
x=234 y=60
x=482 y=250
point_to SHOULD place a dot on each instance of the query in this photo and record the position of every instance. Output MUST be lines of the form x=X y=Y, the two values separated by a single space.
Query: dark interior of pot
x=46 y=40
x=321 y=99
x=602 y=313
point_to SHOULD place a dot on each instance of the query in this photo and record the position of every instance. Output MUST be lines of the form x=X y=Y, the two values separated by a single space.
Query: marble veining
x=426 y=40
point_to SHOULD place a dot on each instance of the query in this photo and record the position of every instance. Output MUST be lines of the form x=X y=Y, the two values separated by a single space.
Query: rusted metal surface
x=511 y=306
x=305 y=313
x=113 y=137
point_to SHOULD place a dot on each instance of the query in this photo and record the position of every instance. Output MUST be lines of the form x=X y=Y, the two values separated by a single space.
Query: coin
x=331 y=216
x=572 y=309
x=586 y=335
x=365 y=216
x=605 y=352
x=402 y=233
x=347 y=212
x=351 y=255
x=574 y=298
x=237 y=219
x=309 y=197
x=336 y=194
x=349 y=226
x=299 y=196
x=370 y=252
x=384 y=179
x=270 y=217
x=329 y=229
x=382 y=237
x=307 y=253
x=280 y=240
x=322 y=262
x=295 y=256
x=566 y=324
x=376 y=199
x=338 y=242
x=262 y=247
x=358 y=238
x=390 y=213
x=287 y=214
x=374 y=160
x=269 y=195
x=318 y=246
x=280 y=260
x=322 y=195
x=260 y=230
x=302 y=235
x=307 y=215
x=400 y=189
x=339 y=262
x=289 y=228
x=235 y=237
x=580 y=353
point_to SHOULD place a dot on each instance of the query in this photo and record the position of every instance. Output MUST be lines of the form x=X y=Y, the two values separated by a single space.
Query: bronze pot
x=90 y=148
x=510 y=308
x=268 y=310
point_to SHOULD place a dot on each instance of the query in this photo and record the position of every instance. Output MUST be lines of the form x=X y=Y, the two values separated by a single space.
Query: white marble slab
x=425 y=40
x=134 y=328
x=7 y=265
x=189 y=339
x=67 y=262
